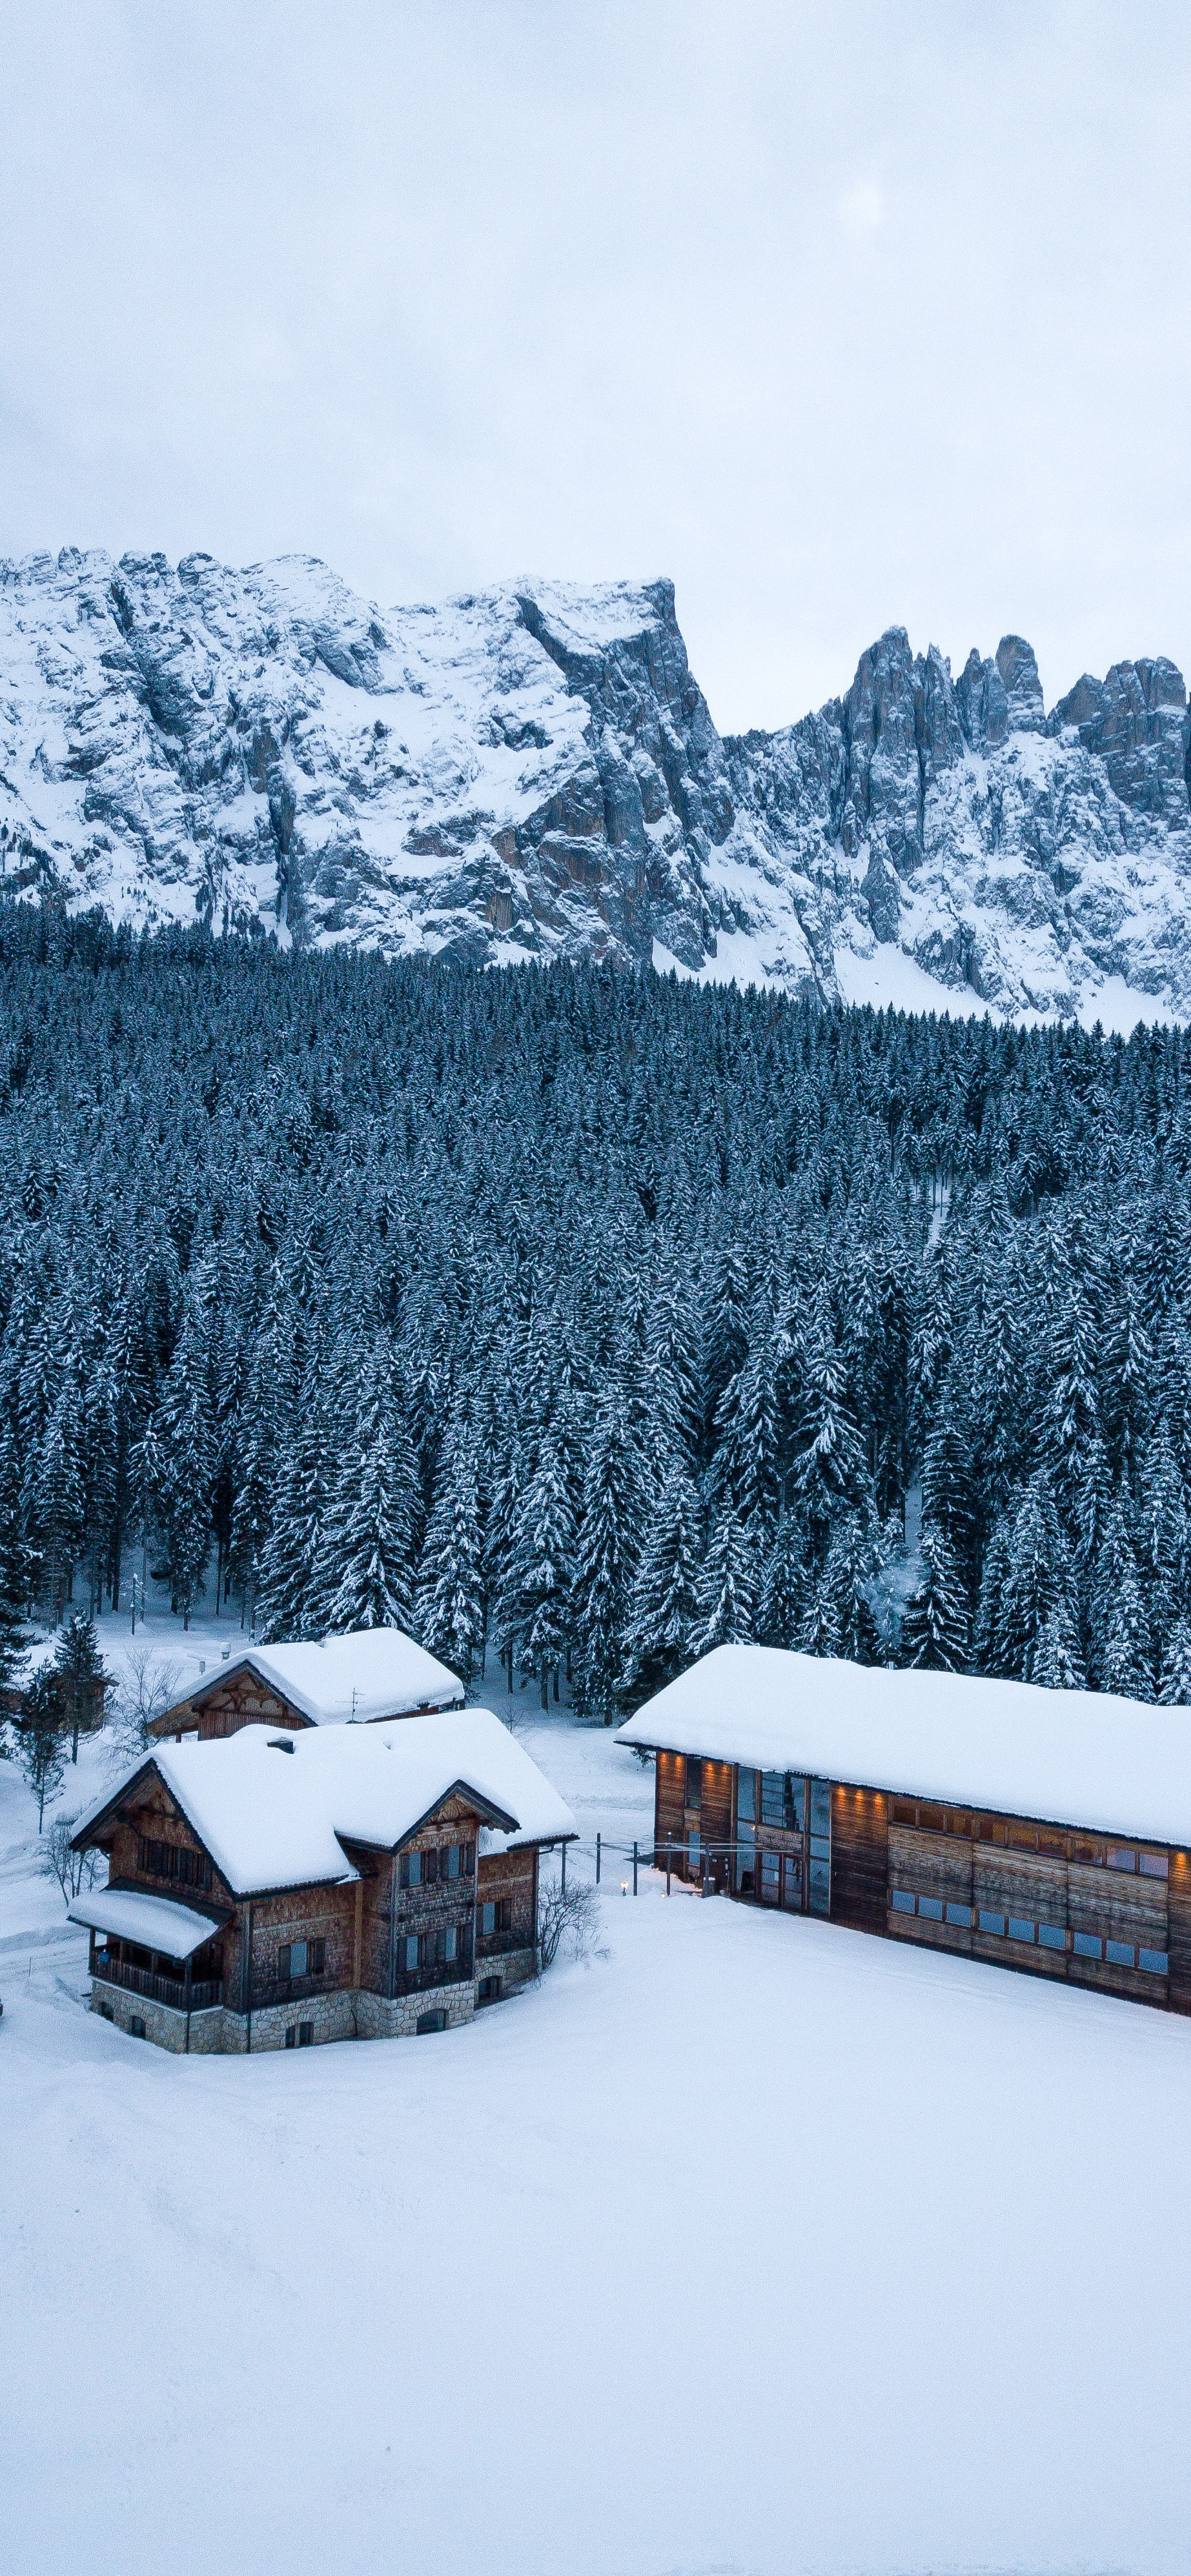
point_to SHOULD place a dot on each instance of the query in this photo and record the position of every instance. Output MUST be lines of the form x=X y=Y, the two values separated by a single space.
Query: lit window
x=1154 y=1960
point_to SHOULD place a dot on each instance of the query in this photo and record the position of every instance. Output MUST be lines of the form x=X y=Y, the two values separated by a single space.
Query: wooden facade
x=424 y=1933
x=1108 y=1912
x=244 y=1697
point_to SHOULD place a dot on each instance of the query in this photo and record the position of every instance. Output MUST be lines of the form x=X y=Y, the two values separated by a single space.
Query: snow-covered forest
x=585 y=1318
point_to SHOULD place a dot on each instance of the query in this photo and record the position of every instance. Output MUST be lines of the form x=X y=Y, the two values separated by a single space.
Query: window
x=430 y=1867
x=902 y=1901
x=694 y=1855
x=820 y=1887
x=1119 y=1953
x=301 y=1959
x=171 y=1860
x=931 y=1908
x=820 y=1808
x=446 y=1944
x=773 y=1797
x=994 y=1923
x=429 y=2021
x=452 y=1857
x=488 y=1990
x=1051 y=1937
x=410 y=1872
x=413 y=1946
x=487 y=1920
x=746 y=1797
x=1154 y=1960
x=1153 y=1864
x=960 y=1915
x=1087 y=1945
x=1020 y=1928
x=771 y=1878
x=1119 y=1858
x=136 y=2027
x=694 y=1783
x=792 y=1883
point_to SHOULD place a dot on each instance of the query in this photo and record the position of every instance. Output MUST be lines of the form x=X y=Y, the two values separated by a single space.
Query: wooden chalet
x=282 y=1887
x=1041 y=1830
x=359 y=1679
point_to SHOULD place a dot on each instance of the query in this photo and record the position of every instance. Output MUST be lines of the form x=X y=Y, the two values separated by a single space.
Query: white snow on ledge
x=153 y=1921
x=1082 y=1758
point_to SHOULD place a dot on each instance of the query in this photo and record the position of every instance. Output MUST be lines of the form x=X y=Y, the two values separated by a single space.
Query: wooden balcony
x=170 y=1991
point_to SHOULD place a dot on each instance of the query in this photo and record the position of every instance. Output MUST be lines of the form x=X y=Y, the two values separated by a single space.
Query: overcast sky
x=842 y=315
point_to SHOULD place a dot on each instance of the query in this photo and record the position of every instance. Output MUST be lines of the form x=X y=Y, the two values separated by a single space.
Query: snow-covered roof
x=271 y=1810
x=1082 y=1758
x=154 y=1921
x=355 y=1679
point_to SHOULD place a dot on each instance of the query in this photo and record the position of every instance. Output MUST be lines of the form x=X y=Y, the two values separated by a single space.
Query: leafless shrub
x=568 y=1916
x=73 y=1870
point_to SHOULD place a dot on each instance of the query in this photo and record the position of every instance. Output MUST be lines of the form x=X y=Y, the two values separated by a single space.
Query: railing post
x=597 y=1860
x=669 y=1856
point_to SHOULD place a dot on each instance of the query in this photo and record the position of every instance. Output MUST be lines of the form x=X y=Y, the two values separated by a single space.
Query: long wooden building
x=287 y=1886
x=1041 y=1830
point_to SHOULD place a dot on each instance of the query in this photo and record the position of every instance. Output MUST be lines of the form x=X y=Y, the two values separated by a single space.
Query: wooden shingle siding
x=669 y=1791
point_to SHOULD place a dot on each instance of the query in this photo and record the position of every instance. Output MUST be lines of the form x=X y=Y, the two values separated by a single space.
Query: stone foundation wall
x=348 y=2014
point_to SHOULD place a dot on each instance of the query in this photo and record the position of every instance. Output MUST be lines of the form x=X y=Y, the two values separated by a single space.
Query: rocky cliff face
x=533 y=772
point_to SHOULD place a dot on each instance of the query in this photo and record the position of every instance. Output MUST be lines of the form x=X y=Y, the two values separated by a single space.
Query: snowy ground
x=752 y=2246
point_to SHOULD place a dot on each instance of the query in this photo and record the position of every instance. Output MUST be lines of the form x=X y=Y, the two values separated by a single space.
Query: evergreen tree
x=782 y=1605
x=935 y=1631
x=830 y=1477
x=663 y=1608
x=81 y=1677
x=1056 y=1662
x=607 y=1553
x=1174 y=1688
x=38 y=1735
x=1037 y=1581
x=535 y=1596
x=948 y=1491
x=725 y=1591
x=451 y=1597
x=843 y=1589
x=14 y=1578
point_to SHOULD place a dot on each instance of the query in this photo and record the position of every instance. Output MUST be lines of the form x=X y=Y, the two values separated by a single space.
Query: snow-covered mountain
x=533 y=772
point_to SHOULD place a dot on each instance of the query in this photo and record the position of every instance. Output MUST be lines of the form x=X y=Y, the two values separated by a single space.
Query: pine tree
x=607 y=1552
x=81 y=1676
x=368 y=1544
x=663 y=1608
x=782 y=1605
x=843 y=1590
x=14 y=1575
x=535 y=1595
x=948 y=1491
x=830 y=1478
x=1056 y=1662
x=1124 y=1655
x=451 y=1599
x=1174 y=1689
x=38 y=1734
x=1037 y=1581
x=935 y=1631
x=725 y=1592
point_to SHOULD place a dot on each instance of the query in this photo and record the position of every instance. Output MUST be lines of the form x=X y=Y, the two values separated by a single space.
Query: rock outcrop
x=533 y=772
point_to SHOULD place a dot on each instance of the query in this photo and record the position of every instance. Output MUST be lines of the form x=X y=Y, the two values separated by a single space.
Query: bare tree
x=147 y=1688
x=569 y=1915
x=73 y=1870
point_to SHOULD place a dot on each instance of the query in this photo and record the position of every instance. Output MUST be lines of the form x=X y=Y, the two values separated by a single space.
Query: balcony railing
x=160 y=1990
x=439 y=1972
x=290 y=1990
x=498 y=1945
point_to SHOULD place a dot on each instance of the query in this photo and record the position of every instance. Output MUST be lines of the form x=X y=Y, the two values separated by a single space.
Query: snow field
x=752 y=2246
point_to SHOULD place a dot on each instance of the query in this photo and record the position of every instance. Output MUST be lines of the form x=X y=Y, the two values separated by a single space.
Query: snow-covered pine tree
x=843 y=1588
x=450 y=1610
x=1174 y=1688
x=948 y=1490
x=936 y=1628
x=534 y=1608
x=1037 y=1579
x=830 y=1476
x=14 y=1574
x=81 y=1675
x=663 y=1606
x=1056 y=1662
x=607 y=1552
x=782 y=1602
x=59 y=1512
x=725 y=1592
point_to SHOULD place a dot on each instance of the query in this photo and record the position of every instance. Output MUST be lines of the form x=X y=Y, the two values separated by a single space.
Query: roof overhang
x=153 y=1922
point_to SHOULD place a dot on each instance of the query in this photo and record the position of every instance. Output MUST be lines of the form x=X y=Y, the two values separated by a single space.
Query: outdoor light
x=624 y=1887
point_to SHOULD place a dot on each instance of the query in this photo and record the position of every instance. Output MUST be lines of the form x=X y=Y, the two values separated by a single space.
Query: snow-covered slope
x=533 y=772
